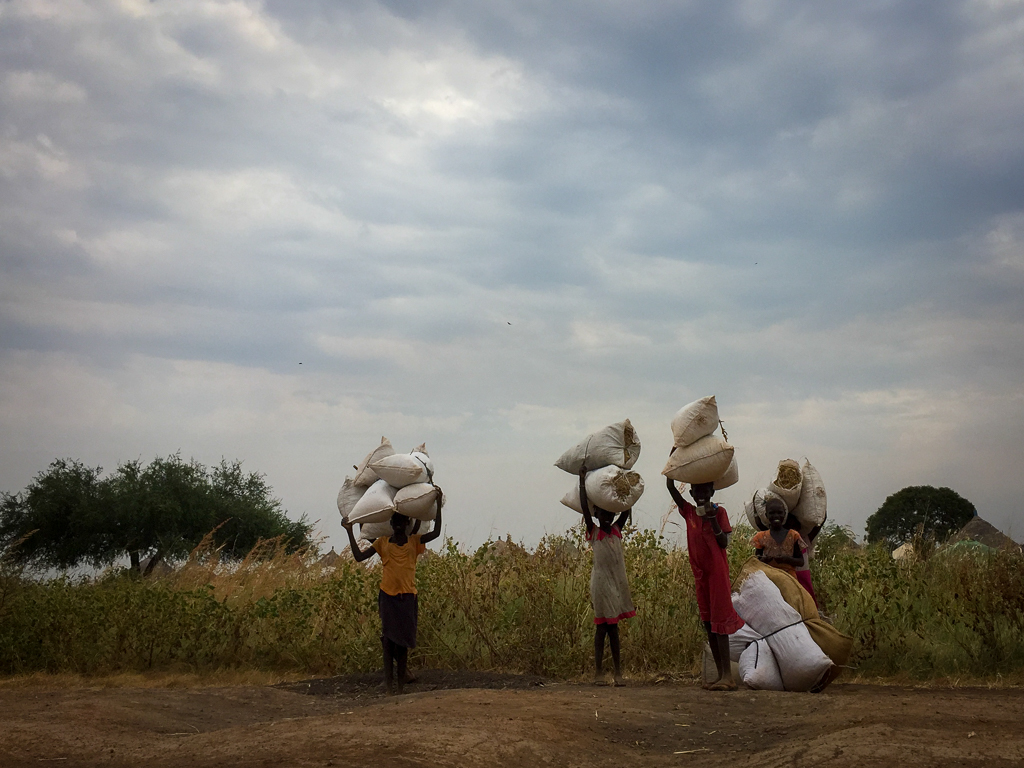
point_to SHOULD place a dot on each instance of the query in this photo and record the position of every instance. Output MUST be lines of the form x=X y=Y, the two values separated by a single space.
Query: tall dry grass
x=501 y=607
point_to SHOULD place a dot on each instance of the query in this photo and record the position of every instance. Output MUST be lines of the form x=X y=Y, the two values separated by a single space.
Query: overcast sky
x=275 y=231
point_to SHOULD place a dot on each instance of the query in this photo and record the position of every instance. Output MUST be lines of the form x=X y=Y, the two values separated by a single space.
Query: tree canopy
x=937 y=511
x=71 y=514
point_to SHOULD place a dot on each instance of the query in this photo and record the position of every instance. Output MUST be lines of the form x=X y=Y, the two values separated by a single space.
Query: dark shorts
x=398 y=615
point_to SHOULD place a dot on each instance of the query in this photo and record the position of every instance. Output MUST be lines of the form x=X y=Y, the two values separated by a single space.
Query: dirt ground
x=507 y=720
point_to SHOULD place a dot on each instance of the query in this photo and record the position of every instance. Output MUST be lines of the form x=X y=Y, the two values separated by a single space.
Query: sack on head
x=787 y=483
x=694 y=421
x=401 y=469
x=417 y=500
x=812 y=508
x=348 y=496
x=731 y=476
x=376 y=506
x=616 y=444
x=702 y=462
x=365 y=476
x=613 y=489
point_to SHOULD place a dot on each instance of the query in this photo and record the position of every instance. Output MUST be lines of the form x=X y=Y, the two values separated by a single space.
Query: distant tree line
x=71 y=514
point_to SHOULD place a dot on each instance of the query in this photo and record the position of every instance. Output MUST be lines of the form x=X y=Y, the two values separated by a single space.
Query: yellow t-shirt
x=399 y=574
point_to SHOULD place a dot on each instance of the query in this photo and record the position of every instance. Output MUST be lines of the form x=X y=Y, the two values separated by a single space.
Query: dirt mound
x=372 y=683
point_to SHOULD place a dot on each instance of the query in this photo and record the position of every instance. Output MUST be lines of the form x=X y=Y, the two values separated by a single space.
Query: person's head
x=702 y=493
x=399 y=522
x=775 y=510
x=605 y=517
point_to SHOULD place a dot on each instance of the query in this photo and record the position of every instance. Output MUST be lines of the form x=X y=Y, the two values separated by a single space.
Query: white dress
x=609 y=589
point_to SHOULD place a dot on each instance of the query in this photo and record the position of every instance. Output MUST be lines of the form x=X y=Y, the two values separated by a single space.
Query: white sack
x=759 y=668
x=789 y=495
x=613 y=489
x=572 y=500
x=417 y=500
x=694 y=421
x=801 y=662
x=741 y=638
x=425 y=460
x=731 y=476
x=703 y=462
x=365 y=477
x=349 y=494
x=748 y=509
x=376 y=506
x=616 y=444
x=811 y=509
x=373 y=531
x=401 y=469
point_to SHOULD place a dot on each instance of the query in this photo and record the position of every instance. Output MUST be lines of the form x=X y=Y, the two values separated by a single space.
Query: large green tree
x=71 y=514
x=936 y=511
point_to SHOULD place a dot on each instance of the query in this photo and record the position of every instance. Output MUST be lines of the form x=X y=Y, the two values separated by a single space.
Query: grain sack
x=787 y=483
x=420 y=452
x=731 y=476
x=811 y=509
x=694 y=421
x=760 y=499
x=801 y=662
x=376 y=506
x=613 y=489
x=365 y=477
x=752 y=518
x=572 y=500
x=741 y=638
x=373 y=531
x=401 y=469
x=759 y=669
x=349 y=494
x=616 y=444
x=417 y=500
x=702 y=462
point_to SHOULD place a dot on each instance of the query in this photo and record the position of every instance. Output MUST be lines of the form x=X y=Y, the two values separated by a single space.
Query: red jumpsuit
x=710 y=569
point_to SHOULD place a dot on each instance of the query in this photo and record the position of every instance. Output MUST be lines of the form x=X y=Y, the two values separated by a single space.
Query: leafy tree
x=70 y=514
x=936 y=511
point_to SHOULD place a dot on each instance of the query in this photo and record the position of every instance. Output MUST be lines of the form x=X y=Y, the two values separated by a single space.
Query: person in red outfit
x=707 y=536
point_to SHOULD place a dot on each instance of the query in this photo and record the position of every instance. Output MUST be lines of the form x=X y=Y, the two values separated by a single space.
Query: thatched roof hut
x=983 y=532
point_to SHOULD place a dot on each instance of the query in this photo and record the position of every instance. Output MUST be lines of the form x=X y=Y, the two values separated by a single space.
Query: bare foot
x=600 y=679
x=619 y=682
x=722 y=685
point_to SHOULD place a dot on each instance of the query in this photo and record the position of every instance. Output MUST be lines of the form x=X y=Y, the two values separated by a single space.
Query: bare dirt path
x=508 y=721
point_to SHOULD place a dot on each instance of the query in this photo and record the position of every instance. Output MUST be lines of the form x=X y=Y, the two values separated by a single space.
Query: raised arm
x=435 y=530
x=584 y=502
x=357 y=553
x=674 y=492
x=621 y=522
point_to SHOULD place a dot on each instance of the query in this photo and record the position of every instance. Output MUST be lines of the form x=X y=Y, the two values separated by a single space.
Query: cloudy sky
x=275 y=231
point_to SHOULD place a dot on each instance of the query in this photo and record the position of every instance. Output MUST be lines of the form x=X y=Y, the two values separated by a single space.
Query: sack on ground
x=365 y=477
x=812 y=508
x=731 y=476
x=401 y=469
x=616 y=444
x=787 y=483
x=741 y=638
x=802 y=663
x=376 y=506
x=759 y=668
x=613 y=489
x=702 y=462
x=694 y=421
x=349 y=494
x=417 y=500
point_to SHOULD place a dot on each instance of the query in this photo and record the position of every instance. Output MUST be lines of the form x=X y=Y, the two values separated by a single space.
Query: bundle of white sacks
x=609 y=455
x=701 y=456
x=774 y=650
x=802 y=490
x=387 y=482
